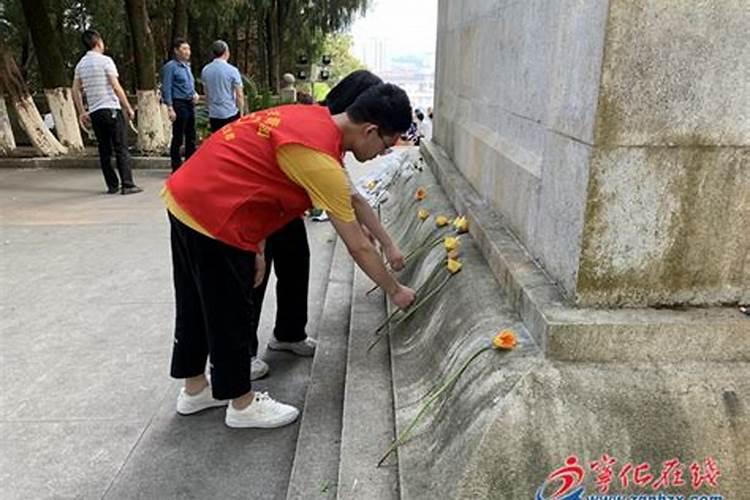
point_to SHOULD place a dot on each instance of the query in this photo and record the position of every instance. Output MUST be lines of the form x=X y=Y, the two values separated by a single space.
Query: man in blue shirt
x=222 y=86
x=178 y=93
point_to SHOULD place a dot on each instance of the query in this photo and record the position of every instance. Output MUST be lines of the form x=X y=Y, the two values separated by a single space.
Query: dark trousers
x=111 y=134
x=213 y=284
x=183 y=131
x=216 y=123
x=288 y=251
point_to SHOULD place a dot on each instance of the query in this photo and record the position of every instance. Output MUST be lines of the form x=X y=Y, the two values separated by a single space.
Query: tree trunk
x=179 y=20
x=64 y=114
x=150 y=127
x=29 y=117
x=33 y=124
x=7 y=141
x=274 y=46
x=53 y=74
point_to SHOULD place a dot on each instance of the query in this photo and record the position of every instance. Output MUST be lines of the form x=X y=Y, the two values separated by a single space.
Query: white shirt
x=425 y=128
x=94 y=70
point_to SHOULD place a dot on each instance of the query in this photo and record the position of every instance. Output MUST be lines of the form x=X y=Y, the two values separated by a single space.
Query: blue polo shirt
x=219 y=81
x=177 y=82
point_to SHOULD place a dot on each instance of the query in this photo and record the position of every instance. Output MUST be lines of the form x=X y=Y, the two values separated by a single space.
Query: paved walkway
x=86 y=403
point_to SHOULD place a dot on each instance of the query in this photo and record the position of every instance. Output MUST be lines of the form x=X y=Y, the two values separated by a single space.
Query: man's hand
x=403 y=297
x=172 y=115
x=130 y=113
x=196 y=98
x=394 y=257
x=260 y=269
x=85 y=120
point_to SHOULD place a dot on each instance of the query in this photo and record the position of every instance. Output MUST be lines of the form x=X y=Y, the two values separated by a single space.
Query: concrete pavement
x=86 y=305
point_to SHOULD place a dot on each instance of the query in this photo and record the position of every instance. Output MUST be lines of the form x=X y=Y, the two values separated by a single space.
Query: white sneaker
x=302 y=348
x=264 y=412
x=187 y=404
x=258 y=368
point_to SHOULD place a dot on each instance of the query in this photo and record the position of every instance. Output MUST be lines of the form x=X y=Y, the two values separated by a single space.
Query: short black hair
x=344 y=93
x=177 y=42
x=218 y=48
x=385 y=105
x=90 y=38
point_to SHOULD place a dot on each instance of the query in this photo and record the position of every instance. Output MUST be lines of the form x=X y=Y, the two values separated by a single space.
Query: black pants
x=183 y=130
x=213 y=284
x=216 y=123
x=288 y=251
x=111 y=134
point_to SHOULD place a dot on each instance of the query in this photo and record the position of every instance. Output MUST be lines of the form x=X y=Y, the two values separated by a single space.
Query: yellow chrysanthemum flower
x=454 y=266
x=451 y=243
x=461 y=224
x=441 y=220
x=423 y=213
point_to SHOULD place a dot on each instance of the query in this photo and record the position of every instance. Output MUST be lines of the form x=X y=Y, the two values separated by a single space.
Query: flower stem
x=448 y=384
x=427 y=297
x=409 y=312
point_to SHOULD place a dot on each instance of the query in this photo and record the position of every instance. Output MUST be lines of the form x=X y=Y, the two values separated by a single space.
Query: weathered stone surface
x=574 y=333
x=675 y=73
x=538 y=103
x=641 y=413
x=640 y=385
x=517 y=86
x=664 y=226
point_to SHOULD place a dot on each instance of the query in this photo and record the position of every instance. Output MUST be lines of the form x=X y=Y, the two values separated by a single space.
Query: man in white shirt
x=96 y=77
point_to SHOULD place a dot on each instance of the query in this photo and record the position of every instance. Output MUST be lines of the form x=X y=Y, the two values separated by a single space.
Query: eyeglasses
x=386 y=147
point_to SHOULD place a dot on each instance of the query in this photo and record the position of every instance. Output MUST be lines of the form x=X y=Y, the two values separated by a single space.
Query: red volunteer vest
x=232 y=185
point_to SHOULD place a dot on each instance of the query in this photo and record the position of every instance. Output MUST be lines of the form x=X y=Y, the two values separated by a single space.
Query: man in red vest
x=247 y=181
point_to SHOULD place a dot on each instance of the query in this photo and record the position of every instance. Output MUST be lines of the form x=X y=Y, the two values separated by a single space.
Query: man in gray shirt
x=96 y=77
x=222 y=85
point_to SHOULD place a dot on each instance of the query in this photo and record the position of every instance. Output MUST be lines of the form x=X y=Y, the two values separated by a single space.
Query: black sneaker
x=113 y=190
x=131 y=190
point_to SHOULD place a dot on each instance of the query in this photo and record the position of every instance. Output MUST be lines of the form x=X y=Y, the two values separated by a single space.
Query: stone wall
x=611 y=136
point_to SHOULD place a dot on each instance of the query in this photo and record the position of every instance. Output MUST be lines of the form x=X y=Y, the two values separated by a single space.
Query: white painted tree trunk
x=150 y=127
x=64 y=114
x=167 y=123
x=7 y=141
x=32 y=123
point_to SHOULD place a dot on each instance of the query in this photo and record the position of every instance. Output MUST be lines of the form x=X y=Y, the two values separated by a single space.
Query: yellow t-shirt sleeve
x=321 y=176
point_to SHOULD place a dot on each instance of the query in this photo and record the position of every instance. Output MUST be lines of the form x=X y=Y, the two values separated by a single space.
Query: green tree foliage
x=338 y=46
x=265 y=36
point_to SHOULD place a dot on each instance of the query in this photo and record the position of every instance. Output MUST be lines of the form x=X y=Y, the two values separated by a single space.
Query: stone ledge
x=316 y=459
x=580 y=334
x=136 y=162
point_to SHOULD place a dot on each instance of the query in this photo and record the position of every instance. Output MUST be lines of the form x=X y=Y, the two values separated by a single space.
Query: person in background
x=178 y=93
x=289 y=253
x=247 y=181
x=222 y=86
x=426 y=126
x=96 y=77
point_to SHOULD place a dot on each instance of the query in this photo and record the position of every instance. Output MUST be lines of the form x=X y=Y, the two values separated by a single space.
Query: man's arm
x=367 y=258
x=83 y=116
x=367 y=216
x=240 y=96
x=239 y=91
x=121 y=96
x=167 y=74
